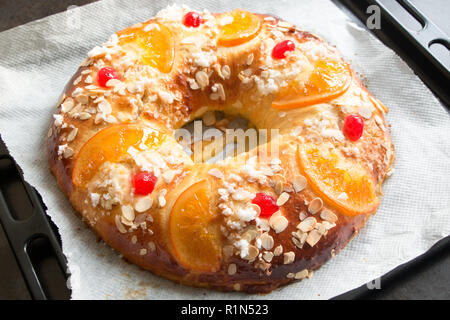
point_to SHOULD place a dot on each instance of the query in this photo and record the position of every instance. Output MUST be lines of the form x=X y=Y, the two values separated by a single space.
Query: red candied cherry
x=267 y=204
x=280 y=49
x=192 y=19
x=353 y=127
x=106 y=74
x=144 y=183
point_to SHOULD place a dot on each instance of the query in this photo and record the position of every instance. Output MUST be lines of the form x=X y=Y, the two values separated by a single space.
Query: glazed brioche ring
x=252 y=222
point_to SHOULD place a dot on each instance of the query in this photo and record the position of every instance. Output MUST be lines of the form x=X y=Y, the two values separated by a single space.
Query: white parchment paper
x=37 y=59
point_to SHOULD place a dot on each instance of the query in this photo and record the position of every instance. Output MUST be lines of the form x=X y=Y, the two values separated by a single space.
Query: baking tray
x=35 y=241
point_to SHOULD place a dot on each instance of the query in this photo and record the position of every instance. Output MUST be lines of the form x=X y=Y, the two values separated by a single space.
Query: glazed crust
x=161 y=260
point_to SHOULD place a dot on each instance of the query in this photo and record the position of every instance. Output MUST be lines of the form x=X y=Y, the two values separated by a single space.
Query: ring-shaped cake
x=253 y=222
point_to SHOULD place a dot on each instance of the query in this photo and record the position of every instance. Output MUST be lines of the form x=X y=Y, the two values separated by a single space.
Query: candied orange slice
x=338 y=181
x=110 y=144
x=154 y=44
x=328 y=80
x=242 y=27
x=194 y=236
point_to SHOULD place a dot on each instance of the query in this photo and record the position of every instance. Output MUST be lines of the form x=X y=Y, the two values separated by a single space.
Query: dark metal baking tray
x=36 y=244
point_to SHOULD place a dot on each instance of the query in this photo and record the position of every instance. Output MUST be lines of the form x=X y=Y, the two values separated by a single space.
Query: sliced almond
x=328 y=225
x=285 y=24
x=320 y=227
x=252 y=253
x=268 y=256
x=278 y=250
x=302 y=216
x=250 y=234
x=299 y=183
x=72 y=134
x=113 y=82
x=267 y=241
x=226 y=72
x=301 y=274
x=232 y=269
x=202 y=79
x=169 y=175
x=329 y=216
x=315 y=205
x=128 y=212
x=221 y=91
x=67 y=105
x=215 y=172
x=250 y=58
x=282 y=199
x=84 y=116
x=68 y=152
x=313 y=237
x=119 y=225
x=162 y=201
x=307 y=225
x=105 y=107
x=289 y=257
x=143 y=204
x=278 y=222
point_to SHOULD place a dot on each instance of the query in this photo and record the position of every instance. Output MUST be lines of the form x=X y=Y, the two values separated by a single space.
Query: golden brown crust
x=376 y=151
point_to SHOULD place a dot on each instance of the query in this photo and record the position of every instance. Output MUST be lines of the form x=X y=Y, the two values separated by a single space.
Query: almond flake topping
x=68 y=152
x=268 y=256
x=88 y=80
x=128 y=212
x=301 y=274
x=278 y=250
x=289 y=257
x=73 y=133
x=282 y=199
x=250 y=58
x=307 y=225
x=113 y=82
x=202 y=79
x=267 y=241
x=119 y=225
x=169 y=175
x=232 y=269
x=67 y=105
x=143 y=204
x=329 y=216
x=252 y=253
x=278 y=222
x=315 y=205
x=226 y=72
x=104 y=107
x=299 y=183
x=161 y=201
x=313 y=237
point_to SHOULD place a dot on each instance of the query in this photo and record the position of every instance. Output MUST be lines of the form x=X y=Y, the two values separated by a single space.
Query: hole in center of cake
x=217 y=135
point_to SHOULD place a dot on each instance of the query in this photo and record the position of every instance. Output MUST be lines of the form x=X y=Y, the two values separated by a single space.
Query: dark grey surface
x=429 y=278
